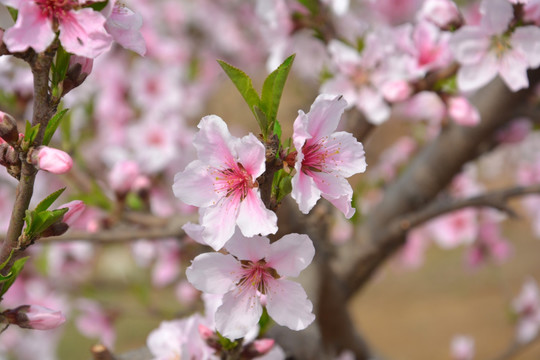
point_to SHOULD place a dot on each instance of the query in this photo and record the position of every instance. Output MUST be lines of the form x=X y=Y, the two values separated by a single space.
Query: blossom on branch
x=82 y=30
x=324 y=157
x=254 y=268
x=223 y=184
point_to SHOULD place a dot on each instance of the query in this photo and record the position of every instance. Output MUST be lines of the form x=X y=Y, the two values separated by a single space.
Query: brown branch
x=494 y=199
x=100 y=352
x=429 y=173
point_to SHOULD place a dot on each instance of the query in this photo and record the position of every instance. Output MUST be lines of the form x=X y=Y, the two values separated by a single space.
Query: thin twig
x=516 y=348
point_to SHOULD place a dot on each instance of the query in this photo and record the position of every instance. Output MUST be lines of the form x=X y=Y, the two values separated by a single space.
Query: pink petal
x=513 y=70
x=372 y=104
x=304 y=191
x=343 y=204
x=497 y=15
x=253 y=249
x=124 y=25
x=82 y=33
x=252 y=155
x=238 y=314
x=336 y=190
x=254 y=218
x=213 y=273
x=348 y=158
x=291 y=254
x=195 y=232
x=527 y=40
x=219 y=222
x=32 y=29
x=288 y=304
x=324 y=116
x=473 y=77
x=469 y=45
x=214 y=142
x=195 y=186
x=341 y=85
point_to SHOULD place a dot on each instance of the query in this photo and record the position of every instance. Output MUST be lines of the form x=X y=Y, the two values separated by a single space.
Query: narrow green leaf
x=15 y=271
x=13 y=12
x=47 y=218
x=285 y=188
x=3 y=265
x=273 y=88
x=262 y=120
x=277 y=131
x=53 y=125
x=31 y=132
x=48 y=201
x=29 y=220
x=98 y=6
x=243 y=84
x=60 y=66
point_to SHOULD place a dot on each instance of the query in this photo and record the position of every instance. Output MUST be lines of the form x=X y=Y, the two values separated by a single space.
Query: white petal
x=219 y=222
x=469 y=45
x=497 y=15
x=291 y=254
x=527 y=40
x=252 y=155
x=373 y=105
x=214 y=273
x=513 y=70
x=304 y=191
x=214 y=142
x=239 y=312
x=243 y=248
x=254 y=218
x=288 y=305
x=347 y=157
x=473 y=77
x=195 y=185
x=324 y=116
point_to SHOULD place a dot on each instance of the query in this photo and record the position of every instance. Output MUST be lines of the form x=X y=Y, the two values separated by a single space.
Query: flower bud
x=75 y=209
x=257 y=348
x=462 y=111
x=79 y=69
x=395 y=91
x=8 y=128
x=205 y=332
x=34 y=317
x=50 y=159
x=123 y=176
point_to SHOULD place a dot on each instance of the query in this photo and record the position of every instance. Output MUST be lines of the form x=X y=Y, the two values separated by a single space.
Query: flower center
x=500 y=45
x=256 y=275
x=56 y=9
x=318 y=155
x=234 y=181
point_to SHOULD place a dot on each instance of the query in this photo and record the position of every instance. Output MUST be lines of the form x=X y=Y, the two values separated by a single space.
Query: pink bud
x=51 y=160
x=205 y=332
x=141 y=183
x=75 y=209
x=462 y=111
x=35 y=317
x=123 y=175
x=85 y=63
x=79 y=69
x=263 y=345
x=516 y=131
x=395 y=91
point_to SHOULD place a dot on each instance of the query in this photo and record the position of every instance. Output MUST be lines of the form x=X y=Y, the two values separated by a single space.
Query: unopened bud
x=123 y=176
x=257 y=348
x=55 y=229
x=205 y=332
x=79 y=69
x=50 y=159
x=34 y=317
x=8 y=128
x=462 y=111
x=75 y=209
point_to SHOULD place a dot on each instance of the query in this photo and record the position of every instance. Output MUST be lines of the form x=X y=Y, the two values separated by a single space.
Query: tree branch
x=516 y=348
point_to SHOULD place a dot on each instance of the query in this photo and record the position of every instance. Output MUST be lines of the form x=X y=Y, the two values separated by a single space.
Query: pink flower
x=487 y=50
x=35 y=317
x=94 y=322
x=462 y=347
x=253 y=268
x=75 y=209
x=124 y=26
x=462 y=111
x=490 y=243
x=324 y=157
x=81 y=30
x=527 y=307
x=51 y=160
x=440 y=12
x=223 y=183
x=123 y=175
x=454 y=229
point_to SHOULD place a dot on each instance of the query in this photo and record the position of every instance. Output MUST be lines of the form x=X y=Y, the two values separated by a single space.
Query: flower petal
x=240 y=311
x=82 y=32
x=469 y=45
x=32 y=29
x=324 y=116
x=195 y=186
x=513 y=70
x=243 y=248
x=252 y=155
x=335 y=189
x=254 y=218
x=527 y=40
x=291 y=254
x=214 y=273
x=304 y=191
x=288 y=305
x=497 y=15
x=473 y=77
x=347 y=155
x=214 y=142
x=219 y=222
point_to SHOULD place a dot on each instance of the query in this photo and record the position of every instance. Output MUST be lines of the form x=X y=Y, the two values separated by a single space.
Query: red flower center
x=256 y=275
x=56 y=9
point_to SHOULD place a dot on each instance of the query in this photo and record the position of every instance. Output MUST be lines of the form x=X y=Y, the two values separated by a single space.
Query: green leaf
x=264 y=322
x=262 y=120
x=60 y=66
x=47 y=218
x=311 y=5
x=13 y=12
x=53 y=125
x=273 y=88
x=134 y=202
x=281 y=185
x=243 y=84
x=98 y=6
x=277 y=131
x=226 y=343
x=48 y=201
x=7 y=260
x=31 y=132
x=15 y=271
